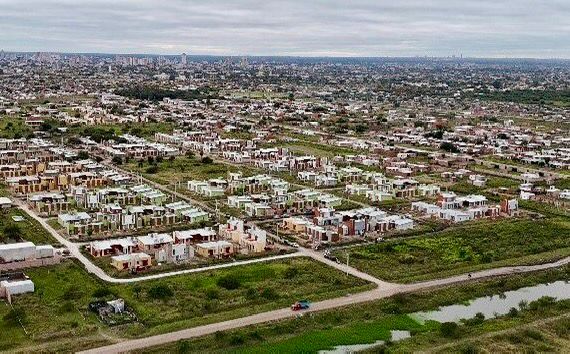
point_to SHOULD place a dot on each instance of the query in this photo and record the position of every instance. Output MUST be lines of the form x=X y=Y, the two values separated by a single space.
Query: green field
x=183 y=169
x=57 y=309
x=370 y=322
x=465 y=248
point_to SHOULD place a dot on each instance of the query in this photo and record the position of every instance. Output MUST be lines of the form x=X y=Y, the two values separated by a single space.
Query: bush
x=229 y=282
x=160 y=292
x=513 y=312
x=477 y=319
x=449 y=329
x=117 y=160
x=207 y=160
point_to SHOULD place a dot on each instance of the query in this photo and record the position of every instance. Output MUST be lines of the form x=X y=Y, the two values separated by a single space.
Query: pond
x=491 y=306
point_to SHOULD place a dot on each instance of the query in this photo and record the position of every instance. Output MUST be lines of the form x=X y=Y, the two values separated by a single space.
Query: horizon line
x=308 y=56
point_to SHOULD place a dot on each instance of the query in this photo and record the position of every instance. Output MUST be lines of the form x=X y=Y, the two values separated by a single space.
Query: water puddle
x=492 y=306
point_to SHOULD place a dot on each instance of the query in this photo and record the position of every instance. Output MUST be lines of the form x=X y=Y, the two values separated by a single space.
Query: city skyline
x=316 y=29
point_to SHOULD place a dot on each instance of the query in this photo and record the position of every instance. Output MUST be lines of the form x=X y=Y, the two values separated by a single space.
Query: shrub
x=449 y=329
x=477 y=319
x=117 y=160
x=207 y=160
x=160 y=292
x=513 y=312
x=229 y=282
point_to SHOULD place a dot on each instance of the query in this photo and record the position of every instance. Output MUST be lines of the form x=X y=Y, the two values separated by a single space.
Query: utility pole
x=347 y=258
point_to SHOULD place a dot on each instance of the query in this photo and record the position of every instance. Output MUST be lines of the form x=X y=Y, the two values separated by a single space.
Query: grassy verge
x=465 y=248
x=362 y=323
x=58 y=308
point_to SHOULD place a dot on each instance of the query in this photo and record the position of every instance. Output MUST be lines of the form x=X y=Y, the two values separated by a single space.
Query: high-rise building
x=183 y=59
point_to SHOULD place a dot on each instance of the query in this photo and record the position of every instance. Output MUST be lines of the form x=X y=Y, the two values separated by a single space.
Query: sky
x=472 y=28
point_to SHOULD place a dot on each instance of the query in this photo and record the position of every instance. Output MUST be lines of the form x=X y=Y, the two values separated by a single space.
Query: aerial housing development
x=183 y=203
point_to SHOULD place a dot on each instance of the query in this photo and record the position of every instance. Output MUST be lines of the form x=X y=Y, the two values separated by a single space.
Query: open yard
x=465 y=248
x=57 y=309
x=25 y=230
x=183 y=169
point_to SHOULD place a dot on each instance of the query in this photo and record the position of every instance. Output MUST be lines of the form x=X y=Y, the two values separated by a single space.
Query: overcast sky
x=481 y=28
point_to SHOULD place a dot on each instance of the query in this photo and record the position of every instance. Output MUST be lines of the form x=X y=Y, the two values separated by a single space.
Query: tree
x=447 y=146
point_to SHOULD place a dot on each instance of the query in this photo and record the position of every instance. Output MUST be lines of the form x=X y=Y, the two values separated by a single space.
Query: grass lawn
x=304 y=147
x=463 y=248
x=57 y=309
x=29 y=229
x=368 y=322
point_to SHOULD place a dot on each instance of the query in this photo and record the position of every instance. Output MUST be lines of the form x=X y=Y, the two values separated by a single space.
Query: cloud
x=529 y=28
